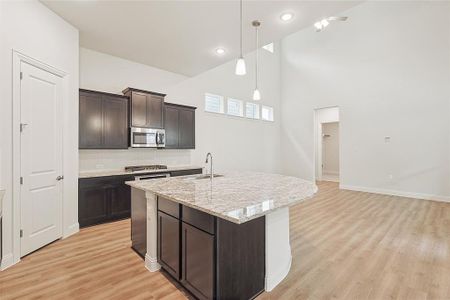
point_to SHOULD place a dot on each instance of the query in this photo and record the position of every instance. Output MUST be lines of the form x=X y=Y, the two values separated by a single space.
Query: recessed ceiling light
x=286 y=16
x=220 y=51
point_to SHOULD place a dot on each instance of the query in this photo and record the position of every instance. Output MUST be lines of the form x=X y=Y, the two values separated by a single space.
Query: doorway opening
x=327 y=145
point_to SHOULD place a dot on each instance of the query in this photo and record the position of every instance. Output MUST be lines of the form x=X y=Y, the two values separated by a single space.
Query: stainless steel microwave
x=147 y=138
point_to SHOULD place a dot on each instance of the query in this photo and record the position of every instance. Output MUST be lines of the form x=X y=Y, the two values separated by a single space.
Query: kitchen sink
x=205 y=176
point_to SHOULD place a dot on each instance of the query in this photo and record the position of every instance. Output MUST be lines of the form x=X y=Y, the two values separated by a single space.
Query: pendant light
x=240 y=64
x=256 y=93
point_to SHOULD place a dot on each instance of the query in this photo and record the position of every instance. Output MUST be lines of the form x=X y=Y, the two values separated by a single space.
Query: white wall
x=103 y=72
x=236 y=143
x=388 y=70
x=32 y=29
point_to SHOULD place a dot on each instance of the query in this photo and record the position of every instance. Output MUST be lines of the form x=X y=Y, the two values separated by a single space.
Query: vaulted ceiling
x=181 y=36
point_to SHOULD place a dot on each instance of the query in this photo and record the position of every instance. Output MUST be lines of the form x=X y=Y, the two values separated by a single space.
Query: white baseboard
x=396 y=193
x=151 y=263
x=72 y=229
x=7 y=261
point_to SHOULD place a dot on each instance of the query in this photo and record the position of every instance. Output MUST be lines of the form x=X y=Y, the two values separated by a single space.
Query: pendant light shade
x=256 y=93
x=240 y=64
x=240 y=67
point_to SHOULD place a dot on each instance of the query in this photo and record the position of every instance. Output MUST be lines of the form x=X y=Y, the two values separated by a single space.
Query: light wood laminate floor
x=345 y=245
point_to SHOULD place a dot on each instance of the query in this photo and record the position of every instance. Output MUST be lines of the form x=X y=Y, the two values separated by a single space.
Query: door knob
x=60 y=177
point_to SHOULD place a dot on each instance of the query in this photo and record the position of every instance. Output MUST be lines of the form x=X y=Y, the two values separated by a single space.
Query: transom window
x=267 y=113
x=214 y=103
x=235 y=107
x=252 y=110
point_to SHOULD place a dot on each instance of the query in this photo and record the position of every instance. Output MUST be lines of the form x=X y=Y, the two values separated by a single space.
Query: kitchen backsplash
x=118 y=159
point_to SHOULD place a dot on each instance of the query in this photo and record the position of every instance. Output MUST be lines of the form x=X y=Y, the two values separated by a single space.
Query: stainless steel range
x=148 y=168
x=144 y=168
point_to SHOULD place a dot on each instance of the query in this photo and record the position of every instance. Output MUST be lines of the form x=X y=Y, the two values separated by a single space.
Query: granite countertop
x=102 y=173
x=237 y=197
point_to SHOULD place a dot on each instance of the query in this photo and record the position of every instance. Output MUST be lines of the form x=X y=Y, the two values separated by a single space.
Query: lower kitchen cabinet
x=169 y=244
x=211 y=257
x=103 y=199
x=198 y=262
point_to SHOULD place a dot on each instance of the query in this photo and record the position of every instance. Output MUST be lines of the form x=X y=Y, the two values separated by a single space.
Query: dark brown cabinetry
x=103 y=120
x=103 y=199
x=216 y=259
x=146 y=108
x=169 y=244
x=198 y=261
x=179 y=123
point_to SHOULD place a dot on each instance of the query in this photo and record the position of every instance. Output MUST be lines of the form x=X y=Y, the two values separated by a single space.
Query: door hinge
x=21 y=180
x=21 y=232
x=21 y=75
x=22 y=126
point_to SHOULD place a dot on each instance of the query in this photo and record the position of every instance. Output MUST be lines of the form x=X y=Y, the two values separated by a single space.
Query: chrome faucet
x=211 y=164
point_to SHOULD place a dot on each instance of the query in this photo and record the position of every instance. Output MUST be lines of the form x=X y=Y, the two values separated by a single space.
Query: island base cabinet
x=197 y=262
x=169 y=244
x=241 y=259
x=211 y=257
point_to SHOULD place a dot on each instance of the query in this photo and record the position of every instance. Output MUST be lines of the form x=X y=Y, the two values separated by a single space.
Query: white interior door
x=41 y=157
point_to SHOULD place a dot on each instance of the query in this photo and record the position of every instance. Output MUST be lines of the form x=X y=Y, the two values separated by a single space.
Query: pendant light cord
x=257 y=58
x=241 y=16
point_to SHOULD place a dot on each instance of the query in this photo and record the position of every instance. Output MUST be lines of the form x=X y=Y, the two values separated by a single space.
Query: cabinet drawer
x=198 y=219
x=169 y=207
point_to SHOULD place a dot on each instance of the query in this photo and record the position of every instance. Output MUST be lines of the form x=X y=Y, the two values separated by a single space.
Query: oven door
x=143 y=138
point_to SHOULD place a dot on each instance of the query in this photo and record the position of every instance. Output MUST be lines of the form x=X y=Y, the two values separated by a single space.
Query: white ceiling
x=181 y=36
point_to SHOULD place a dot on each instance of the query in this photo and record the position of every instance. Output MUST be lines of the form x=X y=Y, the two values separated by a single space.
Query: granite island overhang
x=241 y=206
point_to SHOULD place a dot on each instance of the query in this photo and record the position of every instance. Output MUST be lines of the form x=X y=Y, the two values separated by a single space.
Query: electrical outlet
x=387 y=139
x=391 y=176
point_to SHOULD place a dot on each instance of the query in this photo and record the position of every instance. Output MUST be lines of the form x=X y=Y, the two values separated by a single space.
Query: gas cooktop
x=143 y=168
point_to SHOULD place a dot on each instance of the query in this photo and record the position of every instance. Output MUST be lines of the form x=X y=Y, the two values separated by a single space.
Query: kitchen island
x=225 y=238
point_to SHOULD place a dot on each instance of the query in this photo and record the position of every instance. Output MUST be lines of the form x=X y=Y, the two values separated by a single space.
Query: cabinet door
x=90 y=121
x=169 y=244
x=171 y=126
x=120 y=199
x=197 y=262
x=155 y=106
x=115 y=123
x=187 y=129
x=93 y=205
x=139 y=109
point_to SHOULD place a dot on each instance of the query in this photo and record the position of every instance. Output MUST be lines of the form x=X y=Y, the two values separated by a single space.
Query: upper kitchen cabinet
x=103 y=120
x=179 y=123
x=146 y=108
